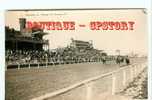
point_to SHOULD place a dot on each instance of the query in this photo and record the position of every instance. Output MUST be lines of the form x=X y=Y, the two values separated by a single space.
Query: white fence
x=91 y=88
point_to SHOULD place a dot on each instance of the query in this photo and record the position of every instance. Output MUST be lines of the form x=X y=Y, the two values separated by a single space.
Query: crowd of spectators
x=62 y=55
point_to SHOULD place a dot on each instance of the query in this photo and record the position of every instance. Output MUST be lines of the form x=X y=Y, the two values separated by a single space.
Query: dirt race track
x=24 y=84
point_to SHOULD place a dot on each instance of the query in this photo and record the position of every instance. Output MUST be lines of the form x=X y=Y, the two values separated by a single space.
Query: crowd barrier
x=42 y=64
x=90 y=89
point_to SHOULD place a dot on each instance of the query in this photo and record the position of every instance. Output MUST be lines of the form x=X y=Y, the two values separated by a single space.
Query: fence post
x=131 y=74
x=38 y=66
x=124 y=78
x=29 y=66
x=113 y=84
x=46 y=64
x=140 y=68
x=135 y=70
x=18 y=65
x=88 y=91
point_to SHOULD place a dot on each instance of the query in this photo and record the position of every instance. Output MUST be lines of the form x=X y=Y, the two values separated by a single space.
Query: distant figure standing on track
x=118 y=60
x=104 y=60
x=127 y=60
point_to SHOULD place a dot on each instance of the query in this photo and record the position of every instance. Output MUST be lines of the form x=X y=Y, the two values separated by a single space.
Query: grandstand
x=79 y=44
x=27 y=47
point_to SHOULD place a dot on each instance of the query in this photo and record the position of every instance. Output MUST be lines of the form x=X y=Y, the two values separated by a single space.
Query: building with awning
x=25 y=39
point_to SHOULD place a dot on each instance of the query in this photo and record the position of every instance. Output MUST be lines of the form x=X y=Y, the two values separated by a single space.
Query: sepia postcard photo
x=76 y=54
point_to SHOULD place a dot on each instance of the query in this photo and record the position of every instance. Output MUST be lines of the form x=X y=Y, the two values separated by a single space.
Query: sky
x=125 y=40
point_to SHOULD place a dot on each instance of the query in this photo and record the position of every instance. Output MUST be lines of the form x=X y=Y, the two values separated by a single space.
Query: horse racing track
x=25 y=84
